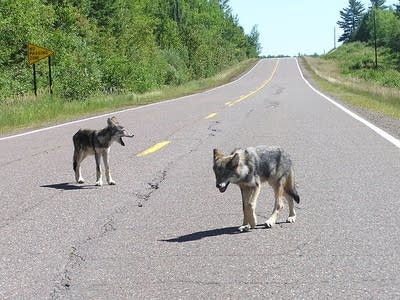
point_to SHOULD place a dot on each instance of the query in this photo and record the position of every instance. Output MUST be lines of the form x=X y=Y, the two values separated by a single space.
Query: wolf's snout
x=128 y=134
x=222 y=186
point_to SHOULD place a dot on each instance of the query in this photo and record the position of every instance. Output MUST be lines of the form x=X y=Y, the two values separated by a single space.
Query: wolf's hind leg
x=78 y=157
x=292 y=213
x=279 y=190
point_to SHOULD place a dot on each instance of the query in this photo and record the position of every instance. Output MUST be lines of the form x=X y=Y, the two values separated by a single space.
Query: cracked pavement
x=165 y=232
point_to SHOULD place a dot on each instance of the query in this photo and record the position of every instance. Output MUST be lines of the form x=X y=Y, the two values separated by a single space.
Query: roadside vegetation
x=29 y=112
x=114 y=53
x=351 y=71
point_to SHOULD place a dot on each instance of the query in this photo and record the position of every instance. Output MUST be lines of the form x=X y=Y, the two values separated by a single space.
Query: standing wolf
x=250 y=167
x=97 y=143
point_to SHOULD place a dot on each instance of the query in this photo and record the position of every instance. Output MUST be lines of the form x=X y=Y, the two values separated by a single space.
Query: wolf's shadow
x=67 y=186
x=203 y=234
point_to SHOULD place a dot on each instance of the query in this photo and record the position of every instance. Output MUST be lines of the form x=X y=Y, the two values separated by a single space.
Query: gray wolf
x=250 y=167
x=97 y=143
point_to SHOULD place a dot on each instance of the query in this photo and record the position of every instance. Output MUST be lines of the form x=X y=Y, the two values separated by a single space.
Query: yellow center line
x=212 y=115
x=154 y=148
x=162 y=144
x=265 y=82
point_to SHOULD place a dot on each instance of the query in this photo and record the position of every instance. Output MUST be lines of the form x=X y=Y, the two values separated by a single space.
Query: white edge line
x=379 y=131
x=126 y=110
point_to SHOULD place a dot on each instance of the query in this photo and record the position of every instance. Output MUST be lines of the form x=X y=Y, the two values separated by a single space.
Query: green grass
x=29 y=112
x=368 y=94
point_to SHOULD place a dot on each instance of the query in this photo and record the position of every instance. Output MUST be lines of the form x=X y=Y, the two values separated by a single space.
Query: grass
x=25 y=112
x=353 y=90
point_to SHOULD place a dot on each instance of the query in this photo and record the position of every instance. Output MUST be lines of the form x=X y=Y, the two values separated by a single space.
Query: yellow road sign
x=36 y=53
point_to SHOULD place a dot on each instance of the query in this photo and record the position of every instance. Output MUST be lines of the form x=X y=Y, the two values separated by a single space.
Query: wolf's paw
x=99 y=183
x=80 y=181
x=269 y=223
x=244 y=228
x=291 y=219
x=112 y=182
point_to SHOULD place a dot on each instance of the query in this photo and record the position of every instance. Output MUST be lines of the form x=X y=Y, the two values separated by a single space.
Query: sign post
x=36 y=53
x=50 y=81
x=34 y=80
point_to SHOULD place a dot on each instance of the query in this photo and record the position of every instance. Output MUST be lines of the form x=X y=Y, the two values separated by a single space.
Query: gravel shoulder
x=388 y=124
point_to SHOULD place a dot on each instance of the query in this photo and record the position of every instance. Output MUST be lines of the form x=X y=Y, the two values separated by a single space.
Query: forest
x=371 y=42
x=377 y=24
x=118 y=46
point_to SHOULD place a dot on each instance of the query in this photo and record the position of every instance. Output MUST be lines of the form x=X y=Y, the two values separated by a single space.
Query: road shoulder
x=388 y=124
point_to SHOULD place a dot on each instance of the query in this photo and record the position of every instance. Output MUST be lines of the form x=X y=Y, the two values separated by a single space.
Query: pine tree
x=254 y=42
x=397 y=9
x=351 y=18
x=380 y=4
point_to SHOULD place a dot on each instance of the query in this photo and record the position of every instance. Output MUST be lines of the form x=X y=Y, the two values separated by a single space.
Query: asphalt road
x=165 y=232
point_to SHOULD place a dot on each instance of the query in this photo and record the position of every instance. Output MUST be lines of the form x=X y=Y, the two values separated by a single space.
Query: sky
x=290 y=27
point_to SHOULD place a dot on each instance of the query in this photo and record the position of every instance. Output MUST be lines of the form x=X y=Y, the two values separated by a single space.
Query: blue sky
x=293 y=26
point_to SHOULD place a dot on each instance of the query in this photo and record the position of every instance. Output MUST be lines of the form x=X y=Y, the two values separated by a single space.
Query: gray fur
x=250 y=167
x=97 y=143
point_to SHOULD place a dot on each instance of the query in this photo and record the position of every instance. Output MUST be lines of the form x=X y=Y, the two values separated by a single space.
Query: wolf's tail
x=293 y=193
x=291 y=188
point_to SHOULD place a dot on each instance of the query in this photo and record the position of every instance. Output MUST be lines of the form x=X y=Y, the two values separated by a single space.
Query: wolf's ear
x=217 y=154
x=235 y=160
x=112 y=121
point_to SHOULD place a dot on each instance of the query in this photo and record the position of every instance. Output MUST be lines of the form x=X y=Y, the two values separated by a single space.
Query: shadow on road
x=203 y=234
x=67 y=186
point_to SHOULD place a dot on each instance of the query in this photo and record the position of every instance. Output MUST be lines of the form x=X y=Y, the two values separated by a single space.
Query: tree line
x=377 y=23
x=110 y=46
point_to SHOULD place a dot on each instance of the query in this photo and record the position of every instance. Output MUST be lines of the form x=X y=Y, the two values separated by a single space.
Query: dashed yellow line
x=210 y=116
x=154 y=148
x=265 y=82
x=162 y=144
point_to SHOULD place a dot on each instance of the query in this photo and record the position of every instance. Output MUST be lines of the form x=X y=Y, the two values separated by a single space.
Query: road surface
x=165 y=232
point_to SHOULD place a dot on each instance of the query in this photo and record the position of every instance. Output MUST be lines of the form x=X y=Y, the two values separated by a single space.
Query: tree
x=351 y=18
x=254 y=43
x=119 y=45
x=379 y=4
x=397 y=9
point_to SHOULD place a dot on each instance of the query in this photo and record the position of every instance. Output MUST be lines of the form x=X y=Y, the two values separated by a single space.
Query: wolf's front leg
x=107 y=166
x=245 y=196
x=292 y=212
x=245 y=225
x=77 y=159
x=277 y=206
x=249 y=200
x=99 y=180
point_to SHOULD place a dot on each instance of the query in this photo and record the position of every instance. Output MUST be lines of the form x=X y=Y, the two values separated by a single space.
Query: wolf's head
x=226 y=169
x=117 y=131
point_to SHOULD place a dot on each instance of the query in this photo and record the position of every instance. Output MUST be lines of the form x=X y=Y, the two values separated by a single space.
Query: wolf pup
x=250 y=167
x=97 y=143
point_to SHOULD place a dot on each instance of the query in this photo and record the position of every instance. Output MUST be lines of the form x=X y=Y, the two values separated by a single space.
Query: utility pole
x=334 y=37
x=376 y=53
